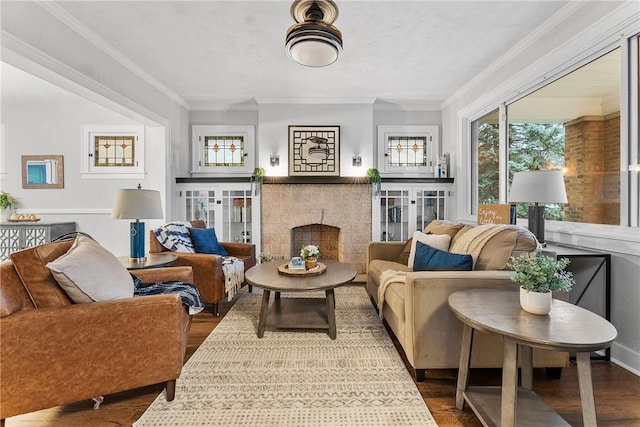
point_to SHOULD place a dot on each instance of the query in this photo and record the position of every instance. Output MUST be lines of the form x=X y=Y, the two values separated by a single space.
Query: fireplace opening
x=324 y=236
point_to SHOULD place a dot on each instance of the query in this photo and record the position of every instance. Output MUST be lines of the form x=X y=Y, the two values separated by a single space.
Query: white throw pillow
x=438 y=241
x=88 y=272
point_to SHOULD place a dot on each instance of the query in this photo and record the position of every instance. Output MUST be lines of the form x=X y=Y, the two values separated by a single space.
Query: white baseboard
x=626 y=358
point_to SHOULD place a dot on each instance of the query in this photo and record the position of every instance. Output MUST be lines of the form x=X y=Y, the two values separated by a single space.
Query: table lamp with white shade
x=538 y=187
x=137 y=204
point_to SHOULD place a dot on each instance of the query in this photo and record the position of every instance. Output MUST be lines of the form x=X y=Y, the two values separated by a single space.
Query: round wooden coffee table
x=299 y=313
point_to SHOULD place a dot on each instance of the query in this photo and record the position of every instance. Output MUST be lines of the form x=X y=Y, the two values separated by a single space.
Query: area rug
x=294 y=377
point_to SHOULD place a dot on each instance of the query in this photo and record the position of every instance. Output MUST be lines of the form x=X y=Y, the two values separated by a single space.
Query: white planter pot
x=535 y=302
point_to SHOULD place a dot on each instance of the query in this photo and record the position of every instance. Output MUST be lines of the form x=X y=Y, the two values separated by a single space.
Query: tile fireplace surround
x=345 y=206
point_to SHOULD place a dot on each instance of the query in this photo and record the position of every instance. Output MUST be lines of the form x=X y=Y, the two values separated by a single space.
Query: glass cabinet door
x=429 y=206
x=201 y=204
x=236 y=216
x=394 y=206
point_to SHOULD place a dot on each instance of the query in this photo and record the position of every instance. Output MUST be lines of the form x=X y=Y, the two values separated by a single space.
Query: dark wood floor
x=617 y=394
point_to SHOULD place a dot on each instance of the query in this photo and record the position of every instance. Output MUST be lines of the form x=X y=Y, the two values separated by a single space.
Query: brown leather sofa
x=417 y=311
x=207 y=268
x=54 y=352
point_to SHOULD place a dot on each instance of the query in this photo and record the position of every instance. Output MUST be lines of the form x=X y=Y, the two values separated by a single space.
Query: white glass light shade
x=137 y=204
x=540 y=186
x=313 y=53
x=314 y=44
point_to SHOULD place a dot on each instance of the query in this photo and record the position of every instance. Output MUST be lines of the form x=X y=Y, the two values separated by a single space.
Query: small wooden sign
x=496 y=214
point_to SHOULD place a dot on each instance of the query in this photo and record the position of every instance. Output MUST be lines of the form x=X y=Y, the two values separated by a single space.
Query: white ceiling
x=209 y=52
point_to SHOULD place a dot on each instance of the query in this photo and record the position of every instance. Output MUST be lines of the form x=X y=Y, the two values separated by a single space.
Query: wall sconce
x=357 y=161
x=274 y=160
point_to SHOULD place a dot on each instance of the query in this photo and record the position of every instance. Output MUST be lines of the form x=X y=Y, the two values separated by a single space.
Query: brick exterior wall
x=592 y=159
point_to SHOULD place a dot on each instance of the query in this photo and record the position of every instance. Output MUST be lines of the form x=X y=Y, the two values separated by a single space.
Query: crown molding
x=317 y=100
x=83 y=31
x=542 y=30
x=205 y=103
x=587 y=45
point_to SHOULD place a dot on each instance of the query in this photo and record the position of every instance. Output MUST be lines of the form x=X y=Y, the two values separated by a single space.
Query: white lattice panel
x=9 y=242
x=35 y=236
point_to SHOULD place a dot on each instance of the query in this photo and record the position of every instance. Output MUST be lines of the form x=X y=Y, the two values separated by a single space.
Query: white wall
x=36 y=129
x=583 y=35
x=355 y=121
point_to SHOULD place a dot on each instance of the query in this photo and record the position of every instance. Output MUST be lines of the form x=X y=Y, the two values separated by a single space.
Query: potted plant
x=538 y=277
x=7 y=201
x=373 y=177
x=258 y=178
x=310 y=255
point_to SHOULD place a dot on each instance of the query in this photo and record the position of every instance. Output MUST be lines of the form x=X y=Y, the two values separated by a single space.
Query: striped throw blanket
x=175 y=236
x=188 y=293
x=233 y=269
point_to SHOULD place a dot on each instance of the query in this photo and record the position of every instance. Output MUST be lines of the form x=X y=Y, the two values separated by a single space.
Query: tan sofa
x=53 y=351
x=417 y=311
x=207 y=268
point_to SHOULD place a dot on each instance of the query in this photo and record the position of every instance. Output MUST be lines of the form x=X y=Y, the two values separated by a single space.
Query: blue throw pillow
x=429 y=258
x=205 y=241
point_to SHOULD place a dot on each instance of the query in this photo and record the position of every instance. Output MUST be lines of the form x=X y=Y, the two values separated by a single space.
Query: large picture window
x=584 y=124
x=573 y=125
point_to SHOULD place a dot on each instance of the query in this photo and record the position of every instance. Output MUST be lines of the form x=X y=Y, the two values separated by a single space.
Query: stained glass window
x=224 y=151
x=114 y=151
x=407 y=151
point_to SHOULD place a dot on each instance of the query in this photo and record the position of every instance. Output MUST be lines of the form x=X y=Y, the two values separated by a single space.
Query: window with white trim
x=222 y=149
x=113 y=151
x=407 y=149
x=573 y=124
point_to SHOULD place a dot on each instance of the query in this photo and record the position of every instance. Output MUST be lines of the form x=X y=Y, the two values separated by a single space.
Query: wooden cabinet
x=401 y=209
x=231 y=208
x=15 y=236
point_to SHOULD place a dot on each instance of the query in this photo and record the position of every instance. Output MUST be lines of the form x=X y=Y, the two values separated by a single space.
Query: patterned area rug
x=293 y=377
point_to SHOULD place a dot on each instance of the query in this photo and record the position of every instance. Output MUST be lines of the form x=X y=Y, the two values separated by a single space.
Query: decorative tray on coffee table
x=284 y=269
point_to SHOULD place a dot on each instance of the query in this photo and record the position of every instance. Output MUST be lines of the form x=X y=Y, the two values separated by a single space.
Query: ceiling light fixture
x=314 y=41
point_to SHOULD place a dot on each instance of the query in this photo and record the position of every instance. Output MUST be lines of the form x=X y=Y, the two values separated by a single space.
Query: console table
x=566 y=328
x=15 y=236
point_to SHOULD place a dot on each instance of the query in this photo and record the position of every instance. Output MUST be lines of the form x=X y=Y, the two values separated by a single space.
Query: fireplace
x=324 y=236
x=346 y=208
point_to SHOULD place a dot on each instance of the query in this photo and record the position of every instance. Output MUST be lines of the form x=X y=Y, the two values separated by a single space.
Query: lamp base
x=536 y=221
x=137 y=252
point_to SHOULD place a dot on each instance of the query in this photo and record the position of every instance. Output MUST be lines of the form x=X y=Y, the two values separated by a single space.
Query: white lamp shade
x=137 y=204
x=540 y=186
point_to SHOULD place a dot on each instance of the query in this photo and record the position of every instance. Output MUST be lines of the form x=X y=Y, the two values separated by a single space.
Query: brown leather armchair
x=53 y=351
x=207 y=268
